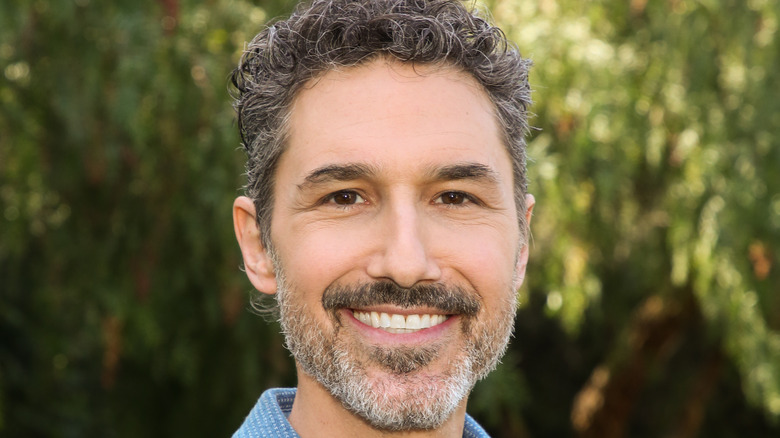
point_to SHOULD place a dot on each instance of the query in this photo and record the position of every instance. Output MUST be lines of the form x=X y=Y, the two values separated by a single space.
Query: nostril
x=405 y=268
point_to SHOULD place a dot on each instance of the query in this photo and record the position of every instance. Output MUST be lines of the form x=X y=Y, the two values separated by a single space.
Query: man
x=386 y=209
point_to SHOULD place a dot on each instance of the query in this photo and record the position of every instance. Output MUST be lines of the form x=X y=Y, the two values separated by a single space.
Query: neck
x=317 y=414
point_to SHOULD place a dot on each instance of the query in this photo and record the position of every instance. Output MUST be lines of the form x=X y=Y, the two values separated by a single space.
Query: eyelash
x=467 y=199
x=331 y=199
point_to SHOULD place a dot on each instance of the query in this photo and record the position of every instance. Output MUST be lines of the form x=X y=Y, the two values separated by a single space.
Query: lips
x=395 y=323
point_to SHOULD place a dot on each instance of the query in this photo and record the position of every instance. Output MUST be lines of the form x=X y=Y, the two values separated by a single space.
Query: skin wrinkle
x=335 y=367
x=476 y=173
x=333 y=34
x=403 y=232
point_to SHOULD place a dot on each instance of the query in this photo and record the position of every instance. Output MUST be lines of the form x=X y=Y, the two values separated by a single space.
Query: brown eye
x=346 y=198
x=453 y=198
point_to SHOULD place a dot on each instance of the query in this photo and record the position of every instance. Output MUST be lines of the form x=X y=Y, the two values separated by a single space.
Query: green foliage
x=653 y=281
x=656 y=168
x=121 y=297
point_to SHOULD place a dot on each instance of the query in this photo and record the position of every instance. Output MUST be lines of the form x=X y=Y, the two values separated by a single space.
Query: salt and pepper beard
x=402 y=396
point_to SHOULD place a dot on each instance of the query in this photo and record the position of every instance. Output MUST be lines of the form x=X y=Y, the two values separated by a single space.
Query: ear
x=257 y=262
x=522 y=258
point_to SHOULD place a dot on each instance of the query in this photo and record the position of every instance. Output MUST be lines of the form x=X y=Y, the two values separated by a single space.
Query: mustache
x=448 y=299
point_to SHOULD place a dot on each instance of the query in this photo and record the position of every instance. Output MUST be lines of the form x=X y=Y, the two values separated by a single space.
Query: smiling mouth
x=397 y=324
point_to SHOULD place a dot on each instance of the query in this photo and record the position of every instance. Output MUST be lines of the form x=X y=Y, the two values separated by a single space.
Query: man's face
x=394 y=207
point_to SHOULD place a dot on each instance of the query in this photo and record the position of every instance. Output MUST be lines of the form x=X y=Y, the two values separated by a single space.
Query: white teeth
x=395 y=323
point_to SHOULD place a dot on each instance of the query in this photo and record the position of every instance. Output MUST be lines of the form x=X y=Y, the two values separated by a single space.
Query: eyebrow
x=350 y=172
x=336 y=172
x=472 y=171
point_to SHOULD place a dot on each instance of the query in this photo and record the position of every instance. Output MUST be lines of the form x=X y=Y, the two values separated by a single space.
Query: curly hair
x=329 y=34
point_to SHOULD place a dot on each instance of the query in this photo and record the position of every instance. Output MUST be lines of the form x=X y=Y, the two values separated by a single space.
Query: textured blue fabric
x=269 y=418
x=472 y=429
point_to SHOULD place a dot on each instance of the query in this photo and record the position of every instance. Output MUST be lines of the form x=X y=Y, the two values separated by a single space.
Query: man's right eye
x=345 y=197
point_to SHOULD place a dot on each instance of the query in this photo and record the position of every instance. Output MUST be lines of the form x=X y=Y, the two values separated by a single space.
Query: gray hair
x=328 y=34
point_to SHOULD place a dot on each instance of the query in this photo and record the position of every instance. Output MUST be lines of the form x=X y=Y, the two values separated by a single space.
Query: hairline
x=519 y=191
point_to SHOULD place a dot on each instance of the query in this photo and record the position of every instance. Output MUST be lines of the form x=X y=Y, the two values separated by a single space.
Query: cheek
x=485 y=257
x=315 y=257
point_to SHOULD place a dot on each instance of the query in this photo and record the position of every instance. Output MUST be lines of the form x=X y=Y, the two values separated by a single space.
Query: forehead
x=388 y=113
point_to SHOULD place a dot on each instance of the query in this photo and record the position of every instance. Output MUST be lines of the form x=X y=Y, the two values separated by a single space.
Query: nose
x=403 y=254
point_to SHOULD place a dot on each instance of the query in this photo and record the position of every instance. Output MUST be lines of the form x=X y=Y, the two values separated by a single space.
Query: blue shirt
x=269 y=418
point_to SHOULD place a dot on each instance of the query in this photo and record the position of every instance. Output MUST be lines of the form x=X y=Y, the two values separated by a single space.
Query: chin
x=419 y=400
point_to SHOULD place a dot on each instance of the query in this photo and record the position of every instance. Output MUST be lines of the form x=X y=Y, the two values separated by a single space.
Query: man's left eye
x=452 y=198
